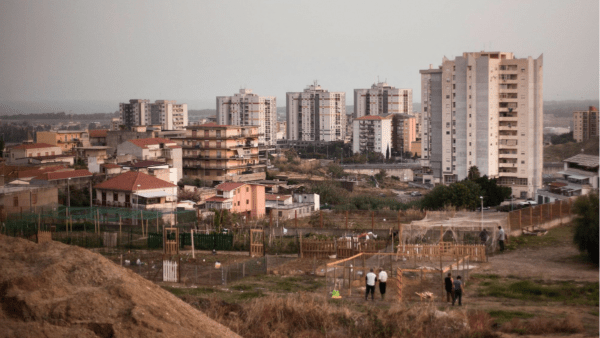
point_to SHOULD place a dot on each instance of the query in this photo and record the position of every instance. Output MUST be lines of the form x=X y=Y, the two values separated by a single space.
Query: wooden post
x=520 y=221
x=271 y=219
x=142 y=218
x=346 y=219
x=120 y=235
x=192 y=234
x=441 y=273
x=71 y=222
x=531 y=216
x=321 y=218
x=295 y=218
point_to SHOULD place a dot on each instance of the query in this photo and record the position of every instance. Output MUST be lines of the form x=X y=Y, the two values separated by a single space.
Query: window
x=522 y=162
x=447 y=96
x=247 y=202
x=238 y=203
x=448 y=133
x=280 y=213
x=33 y=199
x=247 y=189
x=115 y=196
x=15 y=201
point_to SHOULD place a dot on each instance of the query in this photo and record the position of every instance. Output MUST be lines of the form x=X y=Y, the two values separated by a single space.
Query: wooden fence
x=476 y=252
x=538 y=214
x=170 y=271
x=342 y=248
x=44 y=236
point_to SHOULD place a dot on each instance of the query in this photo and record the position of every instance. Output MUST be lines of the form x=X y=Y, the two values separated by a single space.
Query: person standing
x=458 y=291
x=483 y=235
x=501 y=237
x=449 y=286
x=382 y=282
x=371 y=279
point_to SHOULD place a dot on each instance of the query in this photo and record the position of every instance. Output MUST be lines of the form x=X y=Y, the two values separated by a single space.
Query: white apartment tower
x=316 y=115
x=382 y=99
x=168 y=114
x=248 y=109
x=484 y=109
x=372 y=133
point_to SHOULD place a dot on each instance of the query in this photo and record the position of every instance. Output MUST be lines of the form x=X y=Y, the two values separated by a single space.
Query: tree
x=1 y=147
x=465 y=194
x=439 y=197
x=586 y=225
x=494 y=194
x=387 y=153
x=381 y=175
x=336 y=170
x=473 y=173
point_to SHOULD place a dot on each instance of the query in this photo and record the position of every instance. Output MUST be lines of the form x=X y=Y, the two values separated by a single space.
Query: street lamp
x=69 y=192
x=277 y=208
x=481 y=198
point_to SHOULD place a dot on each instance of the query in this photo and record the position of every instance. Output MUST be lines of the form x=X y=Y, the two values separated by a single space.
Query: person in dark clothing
x=458 y=291
x=448 y=285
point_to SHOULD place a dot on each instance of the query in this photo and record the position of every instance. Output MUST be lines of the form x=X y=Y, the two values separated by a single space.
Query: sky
x=106 y=52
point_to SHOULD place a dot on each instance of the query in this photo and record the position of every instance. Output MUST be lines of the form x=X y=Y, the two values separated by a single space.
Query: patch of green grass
x=482 y=276
x=189 y=291
x=565 y=292
x=250 y=295
x=559 y=236
x=242 y=287
x=502 y=316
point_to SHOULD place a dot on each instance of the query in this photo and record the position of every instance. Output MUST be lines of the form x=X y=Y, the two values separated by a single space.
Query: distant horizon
x=83 y=106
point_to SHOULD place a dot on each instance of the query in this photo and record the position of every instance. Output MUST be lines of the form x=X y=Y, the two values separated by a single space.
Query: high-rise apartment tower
x=484 y=109
x=316 y=115
x=382 y=99
x=248 y=109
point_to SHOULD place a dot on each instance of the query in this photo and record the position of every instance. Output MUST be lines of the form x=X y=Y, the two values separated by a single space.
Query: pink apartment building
x=238 y=197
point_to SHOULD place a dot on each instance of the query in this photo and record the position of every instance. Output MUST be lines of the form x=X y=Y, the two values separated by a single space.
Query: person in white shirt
x=501 y=238
x=382 y=282
x=371 y=279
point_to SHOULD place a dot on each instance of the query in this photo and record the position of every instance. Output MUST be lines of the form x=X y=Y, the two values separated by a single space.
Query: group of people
x=372 y=278
x=483 y=235
x=454 y=289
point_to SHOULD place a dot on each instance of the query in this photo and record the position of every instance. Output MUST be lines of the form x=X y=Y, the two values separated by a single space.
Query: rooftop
x=273 y=197
x=217 y=199
x=144 y=164
x=33 y=146
x=130 y=180
x=98 y=133
x=63 y=175
x=590 y=161
x=110 y=165
x=145 y=142
x=228 y=186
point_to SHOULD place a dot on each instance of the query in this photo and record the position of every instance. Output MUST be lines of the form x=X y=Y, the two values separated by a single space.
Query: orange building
x=237 y=197
x=221 y=153
x=65 y=139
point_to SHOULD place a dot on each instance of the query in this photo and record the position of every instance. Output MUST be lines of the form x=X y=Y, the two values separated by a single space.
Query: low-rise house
x=110 y=169
x=25 y=151
x=76 y=179
x=155 y=149
x=18 y=199
x=288 y=207
x=136 y=190
x=99 y=152
x=98 y=137
x=238 y=197
x=155 y=168
x=579 y=176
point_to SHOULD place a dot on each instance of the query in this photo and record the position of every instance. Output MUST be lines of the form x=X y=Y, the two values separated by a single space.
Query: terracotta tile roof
x=39 y=171
x=145 y=142
x=130 y=180
x=110 y=165
x=98 y=133
x=592 y=108
x=63 y=175
x=216 y=199
x=33 y=146
x=228 y=186
x=273 y=197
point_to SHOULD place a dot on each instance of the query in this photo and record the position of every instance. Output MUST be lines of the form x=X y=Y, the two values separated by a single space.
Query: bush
x=586 y=225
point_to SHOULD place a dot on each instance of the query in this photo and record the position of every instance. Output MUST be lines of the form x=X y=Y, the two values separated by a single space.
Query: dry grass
x=543 y=326
x=305 y=315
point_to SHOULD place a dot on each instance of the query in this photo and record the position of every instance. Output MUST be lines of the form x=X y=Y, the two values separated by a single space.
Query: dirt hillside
x=56 y=290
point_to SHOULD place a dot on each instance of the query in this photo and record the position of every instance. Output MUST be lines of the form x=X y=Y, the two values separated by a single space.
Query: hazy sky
x=192 y=51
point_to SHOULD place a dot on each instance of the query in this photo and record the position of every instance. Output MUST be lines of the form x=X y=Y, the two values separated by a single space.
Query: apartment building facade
x=316 y=115
x=29 y=150
x=248 y=109
x=219 y=153
x=585 y=124
x=241 y=198
x=372 y=133
x=484 y=109
x=382 y=99
x=403 y=133
x=65 y=139
x=166 y=113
